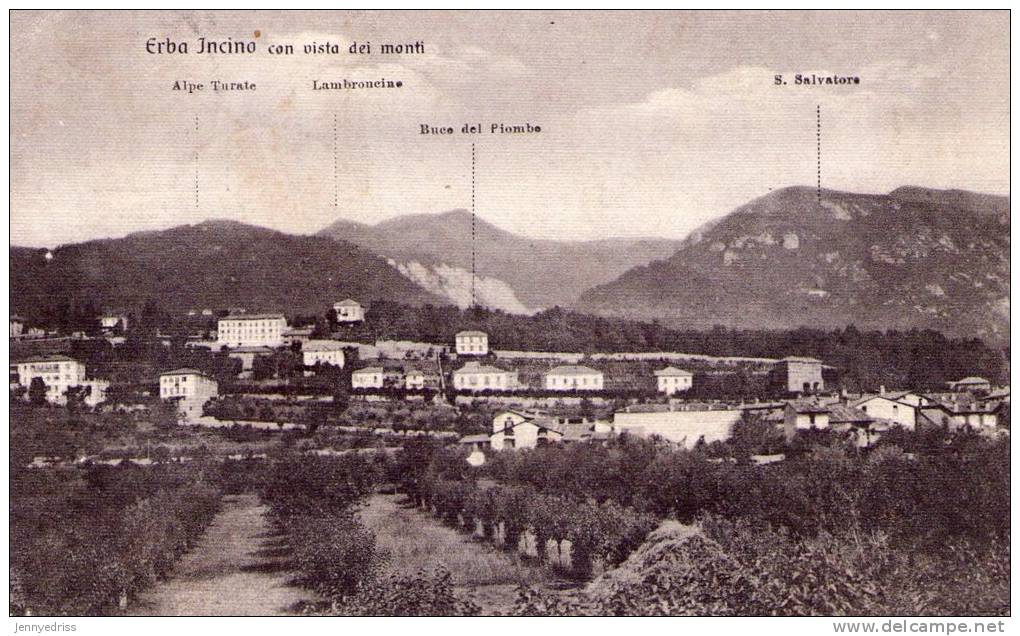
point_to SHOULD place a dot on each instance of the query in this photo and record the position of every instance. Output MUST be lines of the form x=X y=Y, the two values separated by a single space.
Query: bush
x=424 y=594
x=335 y=554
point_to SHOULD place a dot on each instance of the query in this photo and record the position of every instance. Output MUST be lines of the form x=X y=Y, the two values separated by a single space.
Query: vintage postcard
x=510 y=313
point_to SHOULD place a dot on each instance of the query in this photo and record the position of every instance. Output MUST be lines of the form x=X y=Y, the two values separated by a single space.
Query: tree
x=37 y=391
x=76 y=396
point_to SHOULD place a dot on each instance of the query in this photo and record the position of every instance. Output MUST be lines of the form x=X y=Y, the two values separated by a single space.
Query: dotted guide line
x=472 y=225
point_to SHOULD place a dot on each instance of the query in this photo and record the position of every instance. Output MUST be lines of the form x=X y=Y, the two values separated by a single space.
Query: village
x=522 y=399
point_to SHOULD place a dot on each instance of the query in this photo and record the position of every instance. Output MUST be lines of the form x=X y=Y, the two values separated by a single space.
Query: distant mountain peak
x=915 y=258
x=523 y=272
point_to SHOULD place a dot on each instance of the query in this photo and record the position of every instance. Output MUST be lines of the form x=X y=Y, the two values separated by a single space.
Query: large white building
x=190 y=388
x=684 y=428
x=472 y=343
x=572 y=377
x=323 y=352
x=58 y=373
x=672 y=380
x=251 y=330
x=349 y=311
x=474 y=376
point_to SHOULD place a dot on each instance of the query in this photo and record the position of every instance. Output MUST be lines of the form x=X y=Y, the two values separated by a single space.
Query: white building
x=472 y=343
x=251 y=330
x=414 y=380
x=349 y=311
x=189 y=388
x=572 y=377
x=17 y=326
x=323 y=352
x=474 y=376
x=802 y=415
x=684 y=428
x=113 y=321
x=672 y=380
x=523 y=429
x=892 y=408
x=57 y=372
x=368 y=378
x=973 y=383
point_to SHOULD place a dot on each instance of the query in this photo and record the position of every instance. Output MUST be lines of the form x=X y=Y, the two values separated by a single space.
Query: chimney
x=881 y=389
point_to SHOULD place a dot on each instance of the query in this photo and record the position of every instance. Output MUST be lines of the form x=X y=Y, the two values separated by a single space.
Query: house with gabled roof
x=471 y=343
x=972 y=383
x=524 y=429
x=900 y=407
x=349 y=311
x=673 y=380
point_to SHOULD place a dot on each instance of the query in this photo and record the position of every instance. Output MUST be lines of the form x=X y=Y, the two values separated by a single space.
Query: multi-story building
x=189 y=388
x=323 y=352
x=672 y=380
x=474 y=376
x=57 y=372
x=251 y=330
x=798 y=375
x=573 y=377
x=472 y=343
x=349 y=311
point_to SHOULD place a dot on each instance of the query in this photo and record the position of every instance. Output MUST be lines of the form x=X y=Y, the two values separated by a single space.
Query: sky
x=652 y=123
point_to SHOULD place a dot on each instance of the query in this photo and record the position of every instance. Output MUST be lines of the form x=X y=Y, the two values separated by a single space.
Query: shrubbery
x=604 y=533
x=87 y=563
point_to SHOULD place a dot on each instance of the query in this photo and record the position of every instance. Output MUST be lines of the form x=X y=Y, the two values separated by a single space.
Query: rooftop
x=673 y=371
x=370 y=370
x=801 y=359
x=474 y=439
x=471 y=333
x=475 y=367
x=348 y=302
x=254 y=317
x=45 y=358
x=323 y=345
x=573 y=369
x=847 y=414
x=185 y=371
x=807 y=406
x=972 y=380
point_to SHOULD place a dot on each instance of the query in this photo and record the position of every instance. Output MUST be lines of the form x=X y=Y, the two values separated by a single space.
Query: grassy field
x=416 y=541
x=239 y=568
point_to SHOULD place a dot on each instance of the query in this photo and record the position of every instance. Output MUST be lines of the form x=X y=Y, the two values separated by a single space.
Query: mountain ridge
x=527 y=273
x=913 y=258
x=212 y=264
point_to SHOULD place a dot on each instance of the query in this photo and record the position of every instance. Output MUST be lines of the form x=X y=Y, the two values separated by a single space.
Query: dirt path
x=416 y=540
x=238 y=568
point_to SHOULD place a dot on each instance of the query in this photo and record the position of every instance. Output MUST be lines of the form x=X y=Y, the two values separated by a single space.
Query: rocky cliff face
x=515 y=273
x=914 y=258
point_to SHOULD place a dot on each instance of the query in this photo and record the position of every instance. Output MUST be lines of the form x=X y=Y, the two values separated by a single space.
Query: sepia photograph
x=346 y=313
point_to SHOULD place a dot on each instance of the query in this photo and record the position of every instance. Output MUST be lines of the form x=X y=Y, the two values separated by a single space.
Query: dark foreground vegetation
x=83 y=541
x=917 y=525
